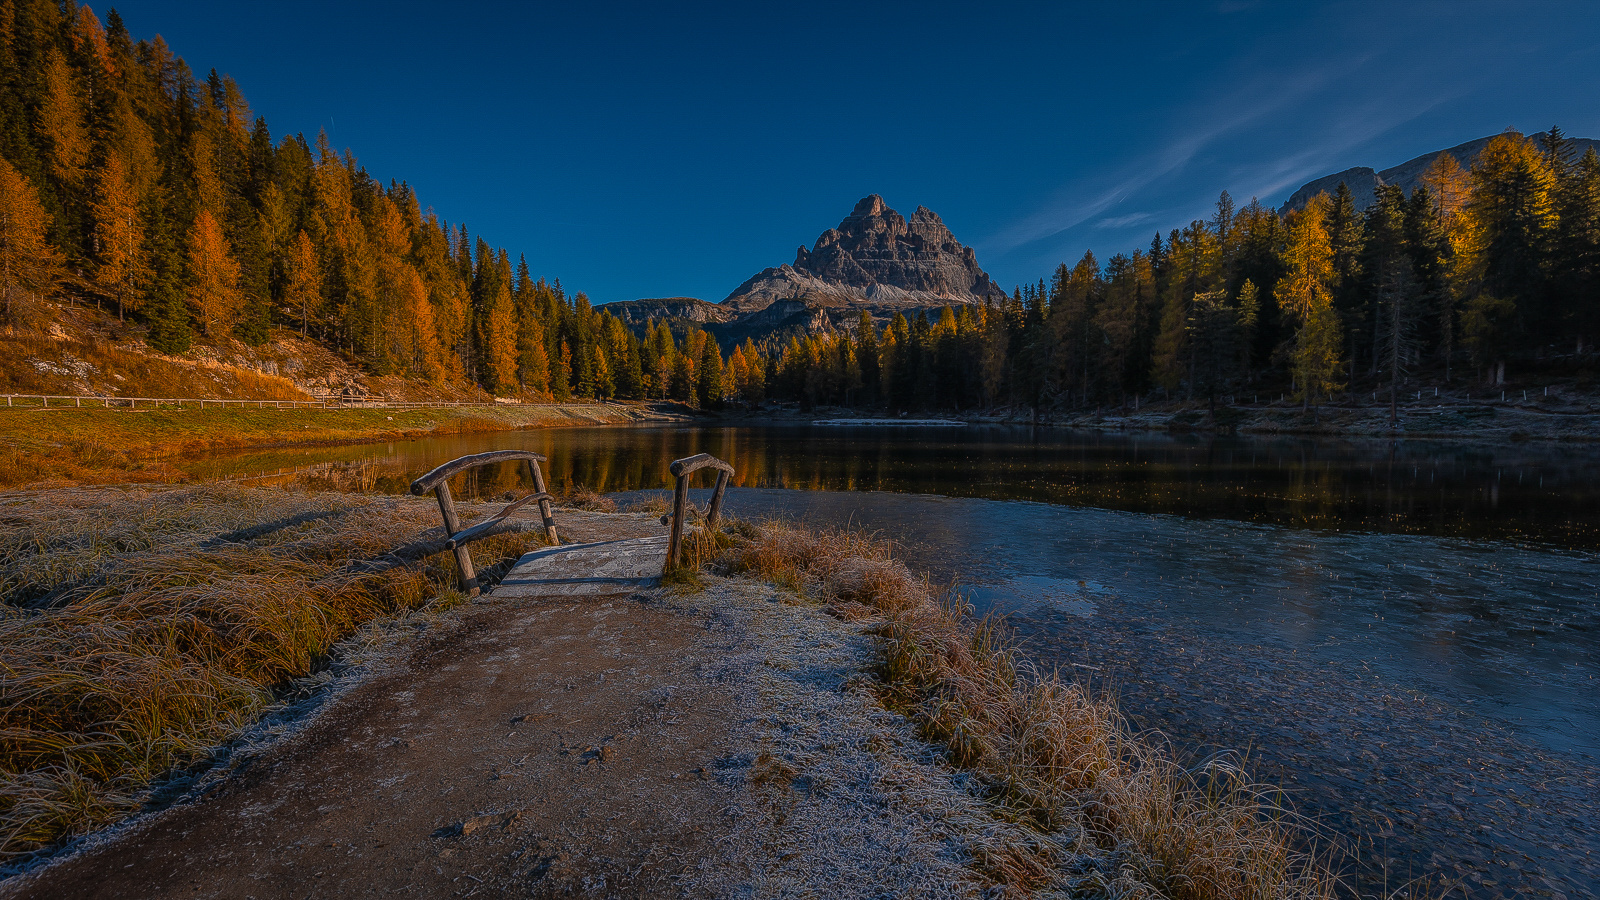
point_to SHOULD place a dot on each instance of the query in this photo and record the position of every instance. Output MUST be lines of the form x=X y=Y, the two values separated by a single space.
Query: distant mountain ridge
x=1364 y=182
x=876 y=260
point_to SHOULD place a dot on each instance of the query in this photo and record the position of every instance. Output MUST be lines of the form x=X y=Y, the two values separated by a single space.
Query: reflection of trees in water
x=1514 y=491
x=349 y=478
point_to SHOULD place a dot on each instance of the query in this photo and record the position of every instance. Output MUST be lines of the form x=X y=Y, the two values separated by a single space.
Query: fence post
x=715 y=512
x=544 y=505
x=680 y=500
x=452 y=524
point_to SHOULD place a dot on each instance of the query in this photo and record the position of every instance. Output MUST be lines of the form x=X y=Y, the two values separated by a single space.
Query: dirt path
x=614 y=744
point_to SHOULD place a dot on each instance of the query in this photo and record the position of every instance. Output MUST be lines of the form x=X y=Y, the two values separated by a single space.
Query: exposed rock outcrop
x=686 y=309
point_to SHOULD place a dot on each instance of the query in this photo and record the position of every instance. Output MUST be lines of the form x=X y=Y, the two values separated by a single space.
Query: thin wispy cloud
x=1125 y=221
x=1259 y=101
x=1349 y=132
x=1355 y=128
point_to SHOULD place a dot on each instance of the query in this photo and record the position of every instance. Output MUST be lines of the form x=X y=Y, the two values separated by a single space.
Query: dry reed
x=139 y=629
x=653 y=503
x=1055 y=755
x=576 y=496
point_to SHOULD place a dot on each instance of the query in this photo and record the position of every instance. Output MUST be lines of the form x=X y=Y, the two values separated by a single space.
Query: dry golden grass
x=1054 y=754
x=655 y=504
x=576 y=496
x=139 y=629
x=32 y=363
x=55 y=447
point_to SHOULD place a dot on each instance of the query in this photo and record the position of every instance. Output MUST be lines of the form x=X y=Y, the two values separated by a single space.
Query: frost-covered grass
x=140 y=628
x=1114 y=812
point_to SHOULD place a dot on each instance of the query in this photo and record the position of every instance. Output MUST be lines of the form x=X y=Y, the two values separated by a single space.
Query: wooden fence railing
x=456 y=537
x=51 y=401
x=681 y=469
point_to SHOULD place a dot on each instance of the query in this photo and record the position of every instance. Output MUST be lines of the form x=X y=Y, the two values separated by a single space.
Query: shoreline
x=1487 y=422
x=116 y=446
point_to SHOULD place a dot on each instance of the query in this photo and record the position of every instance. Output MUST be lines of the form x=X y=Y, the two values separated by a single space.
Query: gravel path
x=717 y=744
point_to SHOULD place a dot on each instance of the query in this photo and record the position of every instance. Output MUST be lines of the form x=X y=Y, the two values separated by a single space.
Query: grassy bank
x=37 y=363
x=141 y=628
x=58 y=447
x=1114 y=812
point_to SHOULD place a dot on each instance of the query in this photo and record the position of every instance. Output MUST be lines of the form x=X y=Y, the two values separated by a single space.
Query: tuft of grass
x=654 y=504
x=1054 y=755
x=701 y=549
x=577 y=496
x=139 y=629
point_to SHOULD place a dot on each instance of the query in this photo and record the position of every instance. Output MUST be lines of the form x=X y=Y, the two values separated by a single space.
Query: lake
x=1405 y=635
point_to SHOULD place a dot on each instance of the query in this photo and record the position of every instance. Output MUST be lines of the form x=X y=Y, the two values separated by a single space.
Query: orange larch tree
x=213 y=277
x=302 y=278
x=121 y=269
x=27 y=264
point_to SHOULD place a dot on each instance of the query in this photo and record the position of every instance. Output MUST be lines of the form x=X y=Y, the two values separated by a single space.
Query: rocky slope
x=72 y=349
x=875 y=260
x=640 y=313
x=1364 y=181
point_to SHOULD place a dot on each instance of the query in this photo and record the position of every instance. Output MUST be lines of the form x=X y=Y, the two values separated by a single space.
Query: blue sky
x=648 y=150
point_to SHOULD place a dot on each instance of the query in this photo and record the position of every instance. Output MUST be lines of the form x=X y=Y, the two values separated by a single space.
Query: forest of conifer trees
x=1474 y=270
x=128 y=183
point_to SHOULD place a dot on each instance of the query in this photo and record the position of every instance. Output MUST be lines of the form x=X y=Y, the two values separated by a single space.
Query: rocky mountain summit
x=876 y=257
x=1364 y=181
x=875 y=260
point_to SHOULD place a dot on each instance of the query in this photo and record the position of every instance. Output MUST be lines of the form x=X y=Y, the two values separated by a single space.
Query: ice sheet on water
x=1035 y=594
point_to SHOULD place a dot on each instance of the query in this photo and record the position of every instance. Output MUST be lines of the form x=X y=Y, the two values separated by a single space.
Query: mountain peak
x=875 y=257
x=870 y=205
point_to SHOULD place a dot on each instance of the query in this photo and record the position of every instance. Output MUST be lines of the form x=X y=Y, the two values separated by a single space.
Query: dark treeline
x=1472 y=270
x=127 y=182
